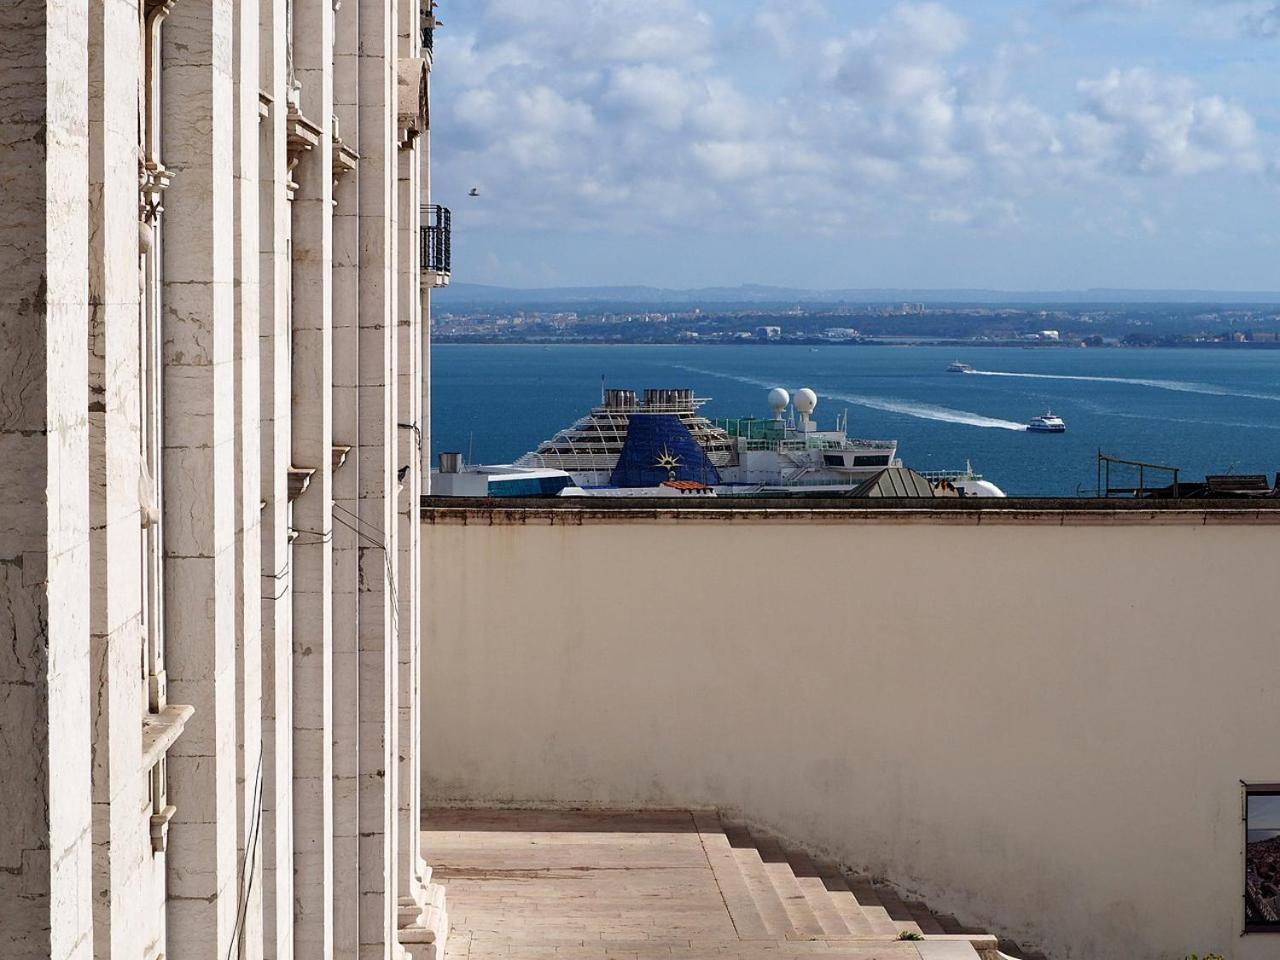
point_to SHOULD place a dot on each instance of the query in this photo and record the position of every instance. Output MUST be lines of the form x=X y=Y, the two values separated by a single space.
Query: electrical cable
x=250 y=861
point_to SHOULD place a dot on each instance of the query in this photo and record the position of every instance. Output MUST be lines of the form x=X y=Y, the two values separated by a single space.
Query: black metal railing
x=429 y=24
x=437 y=239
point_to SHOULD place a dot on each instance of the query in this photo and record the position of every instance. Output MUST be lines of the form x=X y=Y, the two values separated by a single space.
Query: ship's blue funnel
x=659 y=447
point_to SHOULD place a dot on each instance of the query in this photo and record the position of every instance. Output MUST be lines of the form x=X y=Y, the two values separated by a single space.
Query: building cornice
x=1013 y=512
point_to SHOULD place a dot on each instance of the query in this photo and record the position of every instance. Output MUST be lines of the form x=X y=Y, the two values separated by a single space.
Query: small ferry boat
x=1049 y=423
x=959 y=367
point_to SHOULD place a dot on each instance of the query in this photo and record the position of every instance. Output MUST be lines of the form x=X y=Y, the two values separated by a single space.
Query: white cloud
x=584 y=114
x=1262 y=21
x=1153 y=125
x=785 y=26
x=603 y=31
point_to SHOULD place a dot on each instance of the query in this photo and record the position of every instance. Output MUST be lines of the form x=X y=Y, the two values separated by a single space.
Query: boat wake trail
x=1177 y=386
x=921 y=411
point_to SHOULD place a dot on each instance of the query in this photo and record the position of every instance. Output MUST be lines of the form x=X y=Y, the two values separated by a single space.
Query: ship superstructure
x=790 y=453
x=589 y=450
x=634 y=445
x=749 y=456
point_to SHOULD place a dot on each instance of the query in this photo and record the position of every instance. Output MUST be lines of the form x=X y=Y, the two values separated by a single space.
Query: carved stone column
x=199 y=475
x=275 y=399
x=379 y=769
x=44 y=500
x=349 y=534
x=311 y=130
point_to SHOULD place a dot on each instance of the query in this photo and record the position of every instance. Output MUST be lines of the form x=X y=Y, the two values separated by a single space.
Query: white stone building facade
x=214 y=304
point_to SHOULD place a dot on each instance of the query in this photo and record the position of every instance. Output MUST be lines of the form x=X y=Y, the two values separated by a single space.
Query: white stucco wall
x=1042 y=728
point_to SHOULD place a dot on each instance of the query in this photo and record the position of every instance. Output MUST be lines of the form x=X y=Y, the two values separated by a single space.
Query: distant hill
x=459 y=295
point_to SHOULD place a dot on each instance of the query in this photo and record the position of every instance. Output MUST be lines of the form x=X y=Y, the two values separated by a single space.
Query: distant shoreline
x=438 y=340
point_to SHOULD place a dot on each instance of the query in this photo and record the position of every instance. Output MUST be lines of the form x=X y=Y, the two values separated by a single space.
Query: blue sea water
x=1206 y=411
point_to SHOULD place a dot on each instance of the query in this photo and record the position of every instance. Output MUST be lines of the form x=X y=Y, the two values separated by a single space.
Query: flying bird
x=475 y=192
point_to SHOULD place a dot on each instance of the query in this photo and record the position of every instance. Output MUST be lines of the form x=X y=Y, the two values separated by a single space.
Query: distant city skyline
x=1264 y=817
x=1057 y=145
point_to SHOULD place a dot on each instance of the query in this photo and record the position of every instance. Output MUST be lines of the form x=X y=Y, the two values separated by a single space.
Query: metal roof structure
x=896 y=483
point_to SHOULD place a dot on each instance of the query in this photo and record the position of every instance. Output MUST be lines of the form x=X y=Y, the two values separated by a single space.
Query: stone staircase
x=773 y=893
x=576 y=885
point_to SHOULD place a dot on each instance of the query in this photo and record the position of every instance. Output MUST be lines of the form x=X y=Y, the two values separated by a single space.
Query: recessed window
x=1262 y=858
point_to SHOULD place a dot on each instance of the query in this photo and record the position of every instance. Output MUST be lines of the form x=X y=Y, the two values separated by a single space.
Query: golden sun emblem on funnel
x=669 y=462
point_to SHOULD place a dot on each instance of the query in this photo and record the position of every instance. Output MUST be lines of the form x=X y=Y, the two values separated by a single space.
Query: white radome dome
x=779 y=399
x=806 y=401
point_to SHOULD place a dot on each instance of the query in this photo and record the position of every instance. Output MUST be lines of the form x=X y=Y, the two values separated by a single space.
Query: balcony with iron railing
x=429 y=24
x=437 y=245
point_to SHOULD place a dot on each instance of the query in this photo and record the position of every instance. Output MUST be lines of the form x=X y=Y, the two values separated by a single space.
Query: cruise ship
x=589 y=450
x=641 y=444
x=660 y=444
x=635 y=441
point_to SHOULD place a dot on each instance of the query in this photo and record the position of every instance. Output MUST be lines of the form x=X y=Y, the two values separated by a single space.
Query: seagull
x=475 y=192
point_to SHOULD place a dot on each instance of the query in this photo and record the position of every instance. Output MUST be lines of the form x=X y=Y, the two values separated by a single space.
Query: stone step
x=821 y=903
x=903 y=920
x=947 y=950
x=845 y=901
x=650 y=950
x=806 y=924
x=929 y=924
x=869 y=900
x=737 y=896
x=819 y=896
x=949 y=923
x=769 y=905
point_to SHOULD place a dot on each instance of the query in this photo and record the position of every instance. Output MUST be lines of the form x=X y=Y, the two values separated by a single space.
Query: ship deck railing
x=949 y=474
x=687 y=408
x=811 y=443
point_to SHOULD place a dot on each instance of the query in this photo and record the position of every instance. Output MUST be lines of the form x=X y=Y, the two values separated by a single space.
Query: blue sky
x=1060 y=144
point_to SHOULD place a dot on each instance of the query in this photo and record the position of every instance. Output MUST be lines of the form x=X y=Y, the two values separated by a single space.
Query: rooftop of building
x=961 y=511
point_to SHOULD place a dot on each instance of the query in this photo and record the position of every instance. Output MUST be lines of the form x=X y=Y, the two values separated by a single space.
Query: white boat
x=456 y=479
x=959 y=367
x=965 y=482
x=1049 y=423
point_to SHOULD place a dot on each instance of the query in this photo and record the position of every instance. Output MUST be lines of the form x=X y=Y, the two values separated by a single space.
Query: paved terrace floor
x=654 y=886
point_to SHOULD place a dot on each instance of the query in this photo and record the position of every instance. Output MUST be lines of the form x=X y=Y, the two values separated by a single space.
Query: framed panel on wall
x=1262 y=858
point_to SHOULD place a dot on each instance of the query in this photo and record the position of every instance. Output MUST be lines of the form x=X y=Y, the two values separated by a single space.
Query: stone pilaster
x=409 y=866
x=46 y=860
x=250 y=759
x=275 y=224
x=435 y=920
x=378 y=790
x=128 y=881
x=424 y=922
x=348 y=535
x=199 y=487
x=312 y=416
